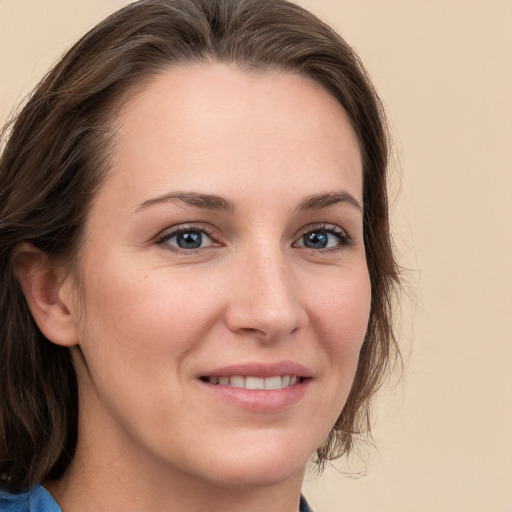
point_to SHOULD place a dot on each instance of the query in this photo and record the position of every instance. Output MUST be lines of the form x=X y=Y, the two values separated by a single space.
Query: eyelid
x=173 y=231
x=343 y=235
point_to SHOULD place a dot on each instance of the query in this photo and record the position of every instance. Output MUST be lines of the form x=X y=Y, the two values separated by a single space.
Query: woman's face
x=224 y=253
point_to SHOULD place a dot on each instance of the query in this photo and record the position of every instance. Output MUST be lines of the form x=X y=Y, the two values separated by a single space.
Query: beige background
x=443 y=68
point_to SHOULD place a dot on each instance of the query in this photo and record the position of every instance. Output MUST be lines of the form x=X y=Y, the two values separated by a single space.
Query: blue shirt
x=39 y=500
x=36 y=500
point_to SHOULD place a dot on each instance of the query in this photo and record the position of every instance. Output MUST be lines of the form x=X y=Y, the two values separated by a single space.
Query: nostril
x=252 y=330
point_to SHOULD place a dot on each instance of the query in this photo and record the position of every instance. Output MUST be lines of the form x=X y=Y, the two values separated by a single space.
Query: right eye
x=187 y=239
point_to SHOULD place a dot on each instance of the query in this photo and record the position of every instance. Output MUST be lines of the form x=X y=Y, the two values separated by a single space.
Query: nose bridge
x=266 y=301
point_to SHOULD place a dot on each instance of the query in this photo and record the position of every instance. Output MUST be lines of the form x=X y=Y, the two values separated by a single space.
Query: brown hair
x=55 y=158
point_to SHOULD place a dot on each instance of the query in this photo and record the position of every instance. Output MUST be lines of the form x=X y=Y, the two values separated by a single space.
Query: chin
x=260 y=466
x=254 y=476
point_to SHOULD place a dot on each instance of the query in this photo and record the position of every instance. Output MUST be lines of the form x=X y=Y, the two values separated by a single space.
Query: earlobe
x=44 y=286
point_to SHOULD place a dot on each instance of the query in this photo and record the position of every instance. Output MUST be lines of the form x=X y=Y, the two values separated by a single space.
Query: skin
x=145 y=319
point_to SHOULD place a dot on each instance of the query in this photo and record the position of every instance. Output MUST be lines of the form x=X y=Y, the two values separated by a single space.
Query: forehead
x=216 y=126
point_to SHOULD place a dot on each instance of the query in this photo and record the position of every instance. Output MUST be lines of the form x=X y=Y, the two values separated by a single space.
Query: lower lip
x=259 y=400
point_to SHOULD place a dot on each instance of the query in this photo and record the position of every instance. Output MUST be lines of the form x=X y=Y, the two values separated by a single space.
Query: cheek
x=144 y=319
x=343 y=309
x=137 y=333
x=342 y=314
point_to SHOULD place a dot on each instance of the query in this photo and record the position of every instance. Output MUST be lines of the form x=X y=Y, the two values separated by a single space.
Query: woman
x=196 y=263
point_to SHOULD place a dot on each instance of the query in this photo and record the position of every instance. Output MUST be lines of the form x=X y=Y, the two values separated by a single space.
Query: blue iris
x=189 y=240
x=316 y=240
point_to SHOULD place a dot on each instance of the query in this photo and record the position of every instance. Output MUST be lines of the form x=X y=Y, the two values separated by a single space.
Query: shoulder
x=36 y=500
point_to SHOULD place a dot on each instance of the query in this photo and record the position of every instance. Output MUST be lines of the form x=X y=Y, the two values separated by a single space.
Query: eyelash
x=203 y=228
x=344 y=238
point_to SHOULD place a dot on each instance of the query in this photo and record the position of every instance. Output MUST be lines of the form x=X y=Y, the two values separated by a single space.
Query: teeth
x=273 y=383
x=254 y=383
x=237 y=382
x=250 y=382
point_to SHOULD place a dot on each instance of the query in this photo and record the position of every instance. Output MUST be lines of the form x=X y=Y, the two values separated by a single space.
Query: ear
x=48 y=291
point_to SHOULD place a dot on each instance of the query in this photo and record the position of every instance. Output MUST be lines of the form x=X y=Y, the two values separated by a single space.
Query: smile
x=258 y=387
x=251 y=382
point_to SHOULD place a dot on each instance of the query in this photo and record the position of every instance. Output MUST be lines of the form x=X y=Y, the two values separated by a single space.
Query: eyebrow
x=214 y=202
x=319 y=201
x=206 y=201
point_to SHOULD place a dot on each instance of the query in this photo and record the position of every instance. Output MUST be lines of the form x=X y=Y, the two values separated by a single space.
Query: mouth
x=250 y=382
x=258 y=387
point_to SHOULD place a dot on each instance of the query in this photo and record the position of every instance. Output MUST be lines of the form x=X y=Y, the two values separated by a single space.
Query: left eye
x=321 y=239
x=188 y=239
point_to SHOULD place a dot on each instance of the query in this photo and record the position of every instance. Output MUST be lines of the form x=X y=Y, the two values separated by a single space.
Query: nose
x=265 y=302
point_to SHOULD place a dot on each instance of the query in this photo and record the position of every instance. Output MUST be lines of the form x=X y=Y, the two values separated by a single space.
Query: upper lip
x=261 y=370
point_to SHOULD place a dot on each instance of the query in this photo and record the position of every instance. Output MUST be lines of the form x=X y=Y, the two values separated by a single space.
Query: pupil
x=189 y=240
x=316 y=240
